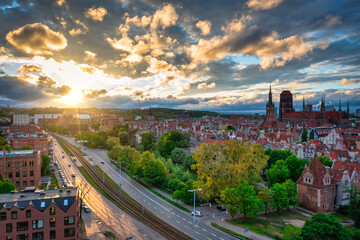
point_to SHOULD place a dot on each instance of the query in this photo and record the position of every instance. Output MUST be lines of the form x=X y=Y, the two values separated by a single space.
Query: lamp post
x=194 y=213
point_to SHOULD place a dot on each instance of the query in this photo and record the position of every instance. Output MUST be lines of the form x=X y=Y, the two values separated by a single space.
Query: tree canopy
x=277 y=154
x=227 y=165
x=178 y=155
x=148 y=140
x=6 y=186
x=45 y=162
x=277 y=173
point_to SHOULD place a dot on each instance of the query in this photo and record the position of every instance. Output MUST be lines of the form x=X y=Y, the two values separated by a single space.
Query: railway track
x=129 y=205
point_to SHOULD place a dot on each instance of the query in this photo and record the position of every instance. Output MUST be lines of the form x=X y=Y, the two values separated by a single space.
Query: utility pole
x=194 y=213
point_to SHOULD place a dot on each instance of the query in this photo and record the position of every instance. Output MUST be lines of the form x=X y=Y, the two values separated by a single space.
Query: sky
x=190 y=54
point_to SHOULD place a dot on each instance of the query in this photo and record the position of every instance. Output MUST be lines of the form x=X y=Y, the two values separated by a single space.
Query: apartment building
x=50 y=214
x=21 y=167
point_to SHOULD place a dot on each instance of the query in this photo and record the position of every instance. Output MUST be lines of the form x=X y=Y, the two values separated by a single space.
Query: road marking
x=177 y=221
x=145 y=235
x=168 y=216
x=213 y=234
x=184 y=219
x=177 y=215
x=208 y=238
x=155 y=207
x=173 y=213
x=222 y=238
x=189 y=222
x=186 y=226
x=199 y=233
x=204 y=230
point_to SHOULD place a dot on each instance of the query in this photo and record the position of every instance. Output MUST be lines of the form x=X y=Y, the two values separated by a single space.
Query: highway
x=172 y=215
x=121 y=223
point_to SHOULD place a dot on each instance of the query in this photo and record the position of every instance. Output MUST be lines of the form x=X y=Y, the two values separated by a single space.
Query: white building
x=21 y=119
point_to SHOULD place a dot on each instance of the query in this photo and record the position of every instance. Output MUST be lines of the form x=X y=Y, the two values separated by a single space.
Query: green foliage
x=178 y=155
x=249 y=203
x=174 y=184
x=184 y=195
x=266 y=196
x=291 y=189
x=45 y=161
x=169 y=146
x=325 y=161
x=6 y=185
x=188 y=162
x=153 y=170
x=296 y=166
x=280 y=196
x=356 y=234
x=227 y=165
x=95 y=126
x=312 y=133
x=169 y=141
x=277 y=154
x=124 y=138
x=111 y=142
x=355 y=204
x=277 y=173
x=292 y=233
x=57 y=129
x=230 y=128
x=131 y=154
x=304 y=134
x=322 y=226
x=229 y=198
x=148 y=140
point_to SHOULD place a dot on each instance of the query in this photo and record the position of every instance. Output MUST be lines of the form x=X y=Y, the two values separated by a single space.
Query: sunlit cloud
x=96 y=14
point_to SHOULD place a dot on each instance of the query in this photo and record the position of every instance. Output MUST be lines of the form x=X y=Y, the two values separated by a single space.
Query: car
x=197 y=214
x=63 y=156
x=73 y=175
x=83 y=205
x=69 y=165
x=221 y=208
x=87 y=210
x=102 y=162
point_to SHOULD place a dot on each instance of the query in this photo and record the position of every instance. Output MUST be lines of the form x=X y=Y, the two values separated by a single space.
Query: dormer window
x=65 y=202
x=42 y=204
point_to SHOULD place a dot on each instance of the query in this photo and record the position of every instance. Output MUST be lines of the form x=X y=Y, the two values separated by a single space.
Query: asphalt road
x=121 y=223
x=174 y=216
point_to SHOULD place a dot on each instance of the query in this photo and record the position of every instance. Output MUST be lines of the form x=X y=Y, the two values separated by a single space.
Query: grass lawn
x=54 y=180
x=341 y=217
x=271 y=225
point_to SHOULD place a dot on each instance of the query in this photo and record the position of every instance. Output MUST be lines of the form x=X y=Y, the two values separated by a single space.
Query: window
x=9 y=227
x=9 y=237
x=10 y=164
x=24 y=184
x=28 y=213
x=17 y=184
x=65 y=202
x=22 y=226
x=42 y=204
x=69 y=220
x=38 y=236
x=52 y=211
x=52 y=222
x=52 y=234
x=31 y=173
x=14 y=215
x=37 y=224
x=24 y=173
x=10 y=174
x=17 y=164
x=68 y=232
x=3 y=216
x=31 y=183
x=17 y=174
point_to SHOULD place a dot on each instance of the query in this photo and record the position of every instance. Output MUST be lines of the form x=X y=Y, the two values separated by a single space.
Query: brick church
x=288 y=115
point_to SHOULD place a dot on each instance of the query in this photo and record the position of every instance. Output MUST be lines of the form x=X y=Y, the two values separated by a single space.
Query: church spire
x=348 y=107
x=303 y=104
x=340 y=105
x=270 y=95
x=322 y=106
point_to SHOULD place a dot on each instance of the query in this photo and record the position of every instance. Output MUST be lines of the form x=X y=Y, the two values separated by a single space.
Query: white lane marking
x=177 y=215
x=222 y=238
x=189 y=222
x=213 y=234
x=177 y=221
x=183 y=219
x=204 y=230
x=186 y=226
x=155 y=207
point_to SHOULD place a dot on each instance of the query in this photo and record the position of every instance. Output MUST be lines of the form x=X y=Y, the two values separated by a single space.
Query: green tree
x=277 y=154
x=227 y=165
x=312 y=133
x=291 y=189
x=189 y=161
x=277 y=173
x=249 y=203
x=111 y=142
x=323 y=227
x=95 y=126
x=174 y=184
x=280 y=196
x=230 y=199
x=184 y=195
x=148 y=140
x=178 y=155
x=304 y=134
x=265 y=195
x=124 y=138
x=6 y=186
x=169 y=146
x=292 y=233
x=296 y=166
x=153 y=170
x=131 y=154
x=230 y=128
x=325 y=161
x=355 y=204
x=45 y=161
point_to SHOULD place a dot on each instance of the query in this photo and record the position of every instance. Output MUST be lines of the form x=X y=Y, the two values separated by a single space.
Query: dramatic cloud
x=89 y=56
x=346 y=81
x=96 y=14
x=204 y=85
x=25 y=69
x=74 y=32
x=263 y=4
x=91 y=93
x=164 y=17
x=36 y=38
x=204 y=26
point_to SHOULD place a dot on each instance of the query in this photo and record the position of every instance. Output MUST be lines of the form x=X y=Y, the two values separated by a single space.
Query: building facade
x=22 y=167
x=21 y=119
x=316 y=188
x=51 y=214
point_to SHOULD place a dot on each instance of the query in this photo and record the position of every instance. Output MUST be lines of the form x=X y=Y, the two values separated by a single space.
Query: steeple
x=322 y=106
x=270 y=96
x=303 y=104
x=340 y=105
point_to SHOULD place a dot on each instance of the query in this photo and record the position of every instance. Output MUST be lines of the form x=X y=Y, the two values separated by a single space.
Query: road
x=122 y=224
x=174 y=216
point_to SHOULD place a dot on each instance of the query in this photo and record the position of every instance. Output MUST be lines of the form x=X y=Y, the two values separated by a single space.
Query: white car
x=197 y=213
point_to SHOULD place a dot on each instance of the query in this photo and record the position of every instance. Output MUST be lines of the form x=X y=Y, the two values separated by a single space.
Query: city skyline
x=216 y=55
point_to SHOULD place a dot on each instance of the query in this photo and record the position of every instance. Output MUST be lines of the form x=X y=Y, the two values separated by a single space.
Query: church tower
x=270 y=108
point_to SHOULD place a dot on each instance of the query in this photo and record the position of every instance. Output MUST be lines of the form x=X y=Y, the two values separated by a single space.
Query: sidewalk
x=168 y=196
x=240 y=230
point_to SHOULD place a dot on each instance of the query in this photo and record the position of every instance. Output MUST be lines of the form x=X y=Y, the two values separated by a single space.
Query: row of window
x=24 y=174
x=14 y=214
x=37 y=224
x=23 y=164
x=31 y=183
x=68 y=232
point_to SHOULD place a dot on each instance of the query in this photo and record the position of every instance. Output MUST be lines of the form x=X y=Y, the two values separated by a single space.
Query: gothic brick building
x=316 y=188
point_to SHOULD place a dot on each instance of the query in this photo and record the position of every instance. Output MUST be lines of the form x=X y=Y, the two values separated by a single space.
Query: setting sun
x=73 y=97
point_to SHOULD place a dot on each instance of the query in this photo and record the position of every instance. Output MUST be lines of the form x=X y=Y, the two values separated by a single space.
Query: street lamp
x=194 y=213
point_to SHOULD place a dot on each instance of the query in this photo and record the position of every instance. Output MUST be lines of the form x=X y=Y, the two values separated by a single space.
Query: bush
x=344 y=209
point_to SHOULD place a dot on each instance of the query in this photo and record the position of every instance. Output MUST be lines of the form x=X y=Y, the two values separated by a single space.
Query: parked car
x=73 y=175
x=69 y=165
x=86 y=209
x=102 y=162
x=221 y=208
x=63 y=156
x=197 y=214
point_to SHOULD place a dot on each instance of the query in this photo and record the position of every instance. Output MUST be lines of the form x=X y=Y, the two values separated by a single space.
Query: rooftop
x=18 y=153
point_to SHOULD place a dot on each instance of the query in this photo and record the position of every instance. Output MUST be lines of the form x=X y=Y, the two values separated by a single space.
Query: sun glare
x=73 y=97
